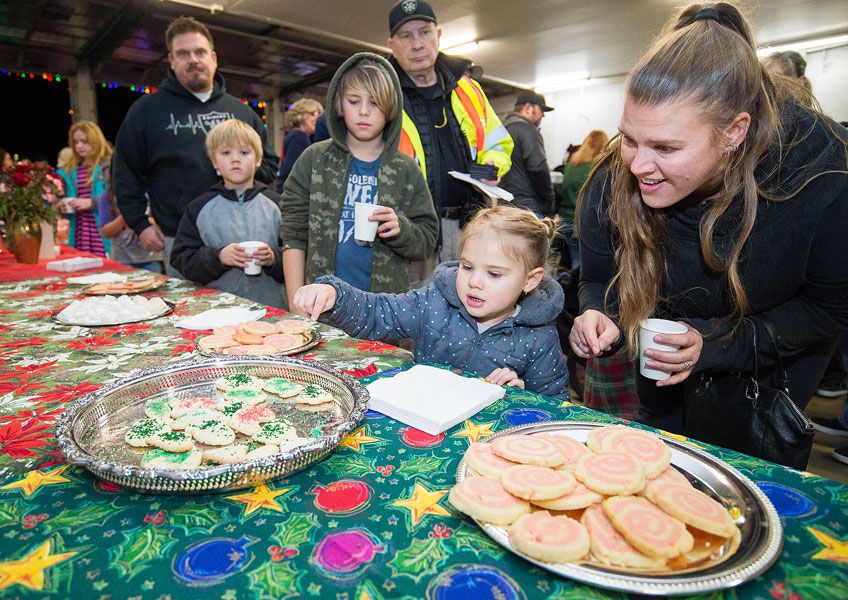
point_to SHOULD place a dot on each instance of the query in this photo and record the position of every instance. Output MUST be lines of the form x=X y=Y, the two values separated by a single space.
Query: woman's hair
x=591 y=147
x=101 y=150
x=234 y=133
x=296 y=115
x=523 y=236
x=791 y=66
x=370 y=77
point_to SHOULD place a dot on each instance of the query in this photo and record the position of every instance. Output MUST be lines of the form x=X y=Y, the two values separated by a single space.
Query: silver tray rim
x=728 y=574
x=314 y=339
x=55 y=317
x=73 y=453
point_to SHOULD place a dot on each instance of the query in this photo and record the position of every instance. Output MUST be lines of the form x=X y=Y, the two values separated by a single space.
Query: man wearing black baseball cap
x=448 y=122
x=529 y=179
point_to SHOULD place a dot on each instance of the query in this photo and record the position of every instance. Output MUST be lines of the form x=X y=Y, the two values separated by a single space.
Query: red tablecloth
x=12 y=270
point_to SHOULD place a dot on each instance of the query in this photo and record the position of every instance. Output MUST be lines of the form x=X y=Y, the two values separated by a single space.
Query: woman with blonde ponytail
x=723 y=197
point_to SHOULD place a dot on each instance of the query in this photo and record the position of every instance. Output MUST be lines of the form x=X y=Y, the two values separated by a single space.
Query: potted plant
x=26 y=201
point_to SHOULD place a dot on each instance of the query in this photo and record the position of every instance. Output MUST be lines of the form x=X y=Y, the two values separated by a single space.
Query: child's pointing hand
x=311 y=300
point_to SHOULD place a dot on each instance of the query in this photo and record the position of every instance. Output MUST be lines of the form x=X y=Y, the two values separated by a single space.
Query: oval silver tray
x=90 y=432
x=313 y=335
x=56 y=319
x=155 y=284
x=762 y=532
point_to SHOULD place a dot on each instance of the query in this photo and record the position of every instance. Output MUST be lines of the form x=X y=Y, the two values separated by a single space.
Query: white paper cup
x=250 y=247
x=363 y=229
x=647 y=331
x=66 y=206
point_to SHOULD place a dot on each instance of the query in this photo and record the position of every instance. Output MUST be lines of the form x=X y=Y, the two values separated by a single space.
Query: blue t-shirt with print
x=353 y=259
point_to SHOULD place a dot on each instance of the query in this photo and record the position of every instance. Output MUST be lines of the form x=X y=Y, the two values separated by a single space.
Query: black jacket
x=529 y=179
x=160 y=151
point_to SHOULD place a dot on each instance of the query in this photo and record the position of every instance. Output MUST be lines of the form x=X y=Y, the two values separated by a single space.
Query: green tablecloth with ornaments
x=370 y=521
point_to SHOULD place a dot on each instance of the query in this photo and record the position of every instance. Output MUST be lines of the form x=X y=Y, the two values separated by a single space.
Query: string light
x=57 y=78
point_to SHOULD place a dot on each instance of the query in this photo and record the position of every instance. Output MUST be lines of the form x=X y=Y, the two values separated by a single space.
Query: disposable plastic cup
x=66 y=205
x=363 y=229
x=251 y=268
x=647 y=331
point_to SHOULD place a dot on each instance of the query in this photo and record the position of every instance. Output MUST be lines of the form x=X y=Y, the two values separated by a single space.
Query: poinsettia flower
x=33 y=341
x=65 y=393
x=270 y=311
x=203 y=292
x=359 y=373
x=21 y=179
x=368 y=346
x=125 y=330
x=89 y=343
x=25 y=371
x=182 y=348
x=19 y=388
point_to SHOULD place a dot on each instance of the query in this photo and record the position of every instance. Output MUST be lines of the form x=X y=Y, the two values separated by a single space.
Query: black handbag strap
x=783 y=379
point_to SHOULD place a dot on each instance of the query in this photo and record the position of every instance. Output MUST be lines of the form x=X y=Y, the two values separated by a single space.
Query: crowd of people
x=723 y=198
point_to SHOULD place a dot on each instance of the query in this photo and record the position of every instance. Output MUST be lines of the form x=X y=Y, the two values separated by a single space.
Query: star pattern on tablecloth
x=35 y=479
x=835 y=550
x=29 y=571
x=261 y=497
x=357 y=439
x=474 y=432
x=423 y=502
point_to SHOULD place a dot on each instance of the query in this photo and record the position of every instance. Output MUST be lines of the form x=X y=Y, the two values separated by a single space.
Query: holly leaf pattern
x=9 y=513
x=351 y=466
x=131 y=557
x=421 y=465
x=470 y=538
x=194 y=517
x=812 y=583
x=420 y=558
x=295 y=530
x=78 y=518
x=274 y=581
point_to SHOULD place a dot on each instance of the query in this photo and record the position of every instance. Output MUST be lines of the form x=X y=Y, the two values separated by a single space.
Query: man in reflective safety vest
x=447 y=120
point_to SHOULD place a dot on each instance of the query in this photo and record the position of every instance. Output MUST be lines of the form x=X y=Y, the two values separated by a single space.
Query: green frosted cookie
x=213 y=432
x=142 y=431
x=248 y=397
x=241 y=381
x=158 y=408
x=230 y=408
x=172 y=441
x=282 y=387
x=278 y=432
x=171 y=460
x=314 y=394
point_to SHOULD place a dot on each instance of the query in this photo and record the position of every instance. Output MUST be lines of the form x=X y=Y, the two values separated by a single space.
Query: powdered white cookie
x=172 y=441
x=171 y=460
x=142 y=431
x=314 y=394
x=213 y=432
x=283 y=388
x=226 y=455
x=241 y=381
x=262 y=452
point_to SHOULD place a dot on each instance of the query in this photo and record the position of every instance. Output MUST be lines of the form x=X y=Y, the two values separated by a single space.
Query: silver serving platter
x=57 y=319
x=313 y=339
x=91 y=431
x=758 y=521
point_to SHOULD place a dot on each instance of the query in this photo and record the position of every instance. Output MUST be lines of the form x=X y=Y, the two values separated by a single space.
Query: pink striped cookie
x=214 y=342
x=485 y=499
x=528 y=450
x=293 y=326
x=544 y=537
x=580 y=497
x=671 y=475
x=262 y=328
x=610 y=547
x=532 y=482
x=571 y=449
x=646 y=527
x=691 y=506
x=251 y=350
x=187 y=405
x=284 y=341
x=229 y=330
x=593 y=440
x=610 y=473
x=480 y=457
x=648 y=448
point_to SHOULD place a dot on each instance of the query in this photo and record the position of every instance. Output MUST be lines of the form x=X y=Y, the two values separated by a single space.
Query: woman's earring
x=731 y=149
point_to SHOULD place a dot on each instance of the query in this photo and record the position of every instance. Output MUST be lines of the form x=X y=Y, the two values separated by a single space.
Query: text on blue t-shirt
x=353 y=259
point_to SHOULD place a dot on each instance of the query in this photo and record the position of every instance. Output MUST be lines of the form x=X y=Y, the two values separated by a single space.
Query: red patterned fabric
x=610 y=385
x=12 y=270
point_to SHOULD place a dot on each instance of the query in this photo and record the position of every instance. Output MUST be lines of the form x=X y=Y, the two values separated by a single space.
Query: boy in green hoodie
x=359 y=163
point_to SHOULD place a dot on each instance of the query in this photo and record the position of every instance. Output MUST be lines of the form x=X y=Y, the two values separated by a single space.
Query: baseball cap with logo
x=408 y=10
x=528 y=97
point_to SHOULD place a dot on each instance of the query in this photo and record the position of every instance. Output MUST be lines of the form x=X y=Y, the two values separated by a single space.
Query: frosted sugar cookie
x=610 y=473
x=292 y=326
x=610 y=547
x=158 y=408
x=213 y=432
x=142 y=432
x=691 y=506
x=226 y=455
x=172 y=441
x=248 y=338
x=316 y=407
x=192 y=417
x=248 y=420
x=593 y=440
x=548 y=538
x=278 y=432
x=485 y=462
x=528 y=450
x=228 y=330
x=187 y=405
x=671 y=475
x=580 y=497
x=162 y=459
x=246 y=397
x=251 y=350
x=241 y=381
x=571 y=449
x=484 y=498
x=262 y=452
x=283 y=388
x=262 y=328
x=532 y=482
x=216 y=342
x=648 y=448
x=646 y=527
x=313 y=394
x=284 y=341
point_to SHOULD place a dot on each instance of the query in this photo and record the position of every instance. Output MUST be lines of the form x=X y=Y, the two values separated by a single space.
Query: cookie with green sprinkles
x=262 y=452
x=142 y=432
x=158 y=408
x=314 y=394
x=213 y=432
x=274 y=432
x=195 y=416
x=283 y=388
x=172 y=441
x=239 y=381
x=226 y=455
x=247 y=397
x=163 y=459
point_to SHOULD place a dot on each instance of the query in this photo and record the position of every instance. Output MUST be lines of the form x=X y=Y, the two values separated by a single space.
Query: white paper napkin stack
x=431 y=399
x=218 y=317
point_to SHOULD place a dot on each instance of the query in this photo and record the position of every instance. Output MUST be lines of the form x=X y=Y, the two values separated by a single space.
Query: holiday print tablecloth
x=370 y=521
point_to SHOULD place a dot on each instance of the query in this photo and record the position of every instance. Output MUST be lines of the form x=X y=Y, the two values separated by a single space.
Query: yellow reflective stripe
x=410 y=138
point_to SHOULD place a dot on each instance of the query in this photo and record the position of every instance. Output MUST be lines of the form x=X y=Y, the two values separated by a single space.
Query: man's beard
x=197 y=81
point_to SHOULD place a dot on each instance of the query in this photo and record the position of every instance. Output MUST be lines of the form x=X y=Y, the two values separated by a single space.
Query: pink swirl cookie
x=610 y=547
x=550 y=539
x=228 y=330
x=214 y=342
x=485 y=462
x=610 y=473
x=646 y=527
x=284 y=341
x=648 y=448
x=691 y=506
x=593 y=440
x=532 y=482
x=580 y=497
x=528 y=450
x=259 y=328
x=571 y=449
x=670 y=475
x=485 y=499
x=293 y=326
x=251 y=350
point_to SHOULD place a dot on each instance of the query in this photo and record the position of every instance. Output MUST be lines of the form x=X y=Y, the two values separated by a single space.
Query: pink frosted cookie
x=228 y=330
x=262 y=328
x=593 y=440
x=293 y=326
x=528 y=450
x=671 y=475
x=691 y=506
x=648 y=448
x=216 y=342
x=485 y=499
x=580 y=497
x=480 y=457
x=248 y=420
x=571 y=449
x=532 y=482
x=610 y=473
x=284 y=341
x=187 y=405
x=646 y=527
x=610 y=547
x=251 y=350
x=544 y=537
